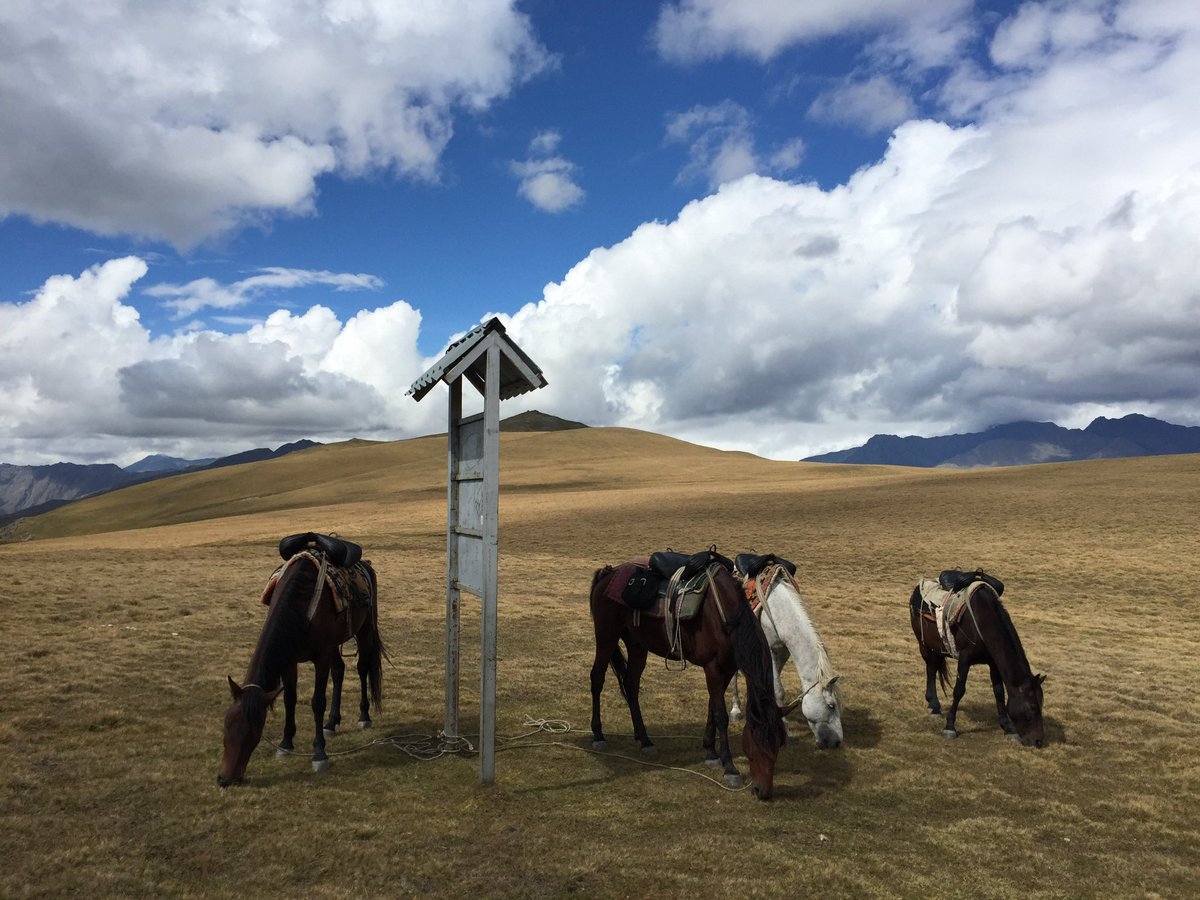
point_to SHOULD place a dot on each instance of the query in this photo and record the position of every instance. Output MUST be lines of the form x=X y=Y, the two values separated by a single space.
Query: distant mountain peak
x=1025 y=443
x=536 y=420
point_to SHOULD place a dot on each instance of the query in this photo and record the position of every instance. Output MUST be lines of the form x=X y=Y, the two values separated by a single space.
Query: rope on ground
x=425 y=747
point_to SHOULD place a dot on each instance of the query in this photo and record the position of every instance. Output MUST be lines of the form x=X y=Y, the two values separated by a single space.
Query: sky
x=760 y=225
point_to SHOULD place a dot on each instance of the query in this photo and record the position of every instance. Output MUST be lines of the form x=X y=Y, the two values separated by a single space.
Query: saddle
x=955 y=580
x=749 y=565
x=340 y=553
x=643 y=584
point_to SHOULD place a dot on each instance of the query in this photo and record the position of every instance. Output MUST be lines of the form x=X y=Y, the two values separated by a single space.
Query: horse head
x=1025 y=709
x=821 y=706
x=761 y=745
x=244 y=722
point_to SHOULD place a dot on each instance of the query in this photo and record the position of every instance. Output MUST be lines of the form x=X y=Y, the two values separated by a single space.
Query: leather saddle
x=341 y=553
x=667 y=562
x=955 y=580
x=749 y=565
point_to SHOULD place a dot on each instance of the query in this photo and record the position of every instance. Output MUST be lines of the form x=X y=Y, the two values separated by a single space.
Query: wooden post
x=453 y=595
x=498 y=369
x=491 y=558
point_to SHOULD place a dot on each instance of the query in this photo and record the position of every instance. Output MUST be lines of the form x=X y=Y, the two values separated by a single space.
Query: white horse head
x=791 y=634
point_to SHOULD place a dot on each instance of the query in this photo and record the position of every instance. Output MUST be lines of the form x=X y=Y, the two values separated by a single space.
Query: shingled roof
x=467 y=356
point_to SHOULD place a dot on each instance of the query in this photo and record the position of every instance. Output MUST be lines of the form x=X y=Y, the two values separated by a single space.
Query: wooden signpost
x=498 y=369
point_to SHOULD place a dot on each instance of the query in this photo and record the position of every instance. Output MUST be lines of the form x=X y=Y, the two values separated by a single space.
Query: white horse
x=790 y=634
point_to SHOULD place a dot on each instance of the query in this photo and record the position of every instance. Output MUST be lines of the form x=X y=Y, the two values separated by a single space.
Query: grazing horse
x=983 y=633
x=723 y=637
x=770 y=585
x=321 y=597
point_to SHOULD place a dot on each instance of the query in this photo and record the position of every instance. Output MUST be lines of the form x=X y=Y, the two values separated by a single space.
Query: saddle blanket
x=348 y=586
x=947 y=608
x=691 y=592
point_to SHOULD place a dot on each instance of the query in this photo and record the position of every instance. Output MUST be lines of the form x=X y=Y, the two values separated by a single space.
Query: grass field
x=124 y=614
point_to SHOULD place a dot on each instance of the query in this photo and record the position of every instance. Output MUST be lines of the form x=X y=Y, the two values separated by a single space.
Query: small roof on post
x=468 y=356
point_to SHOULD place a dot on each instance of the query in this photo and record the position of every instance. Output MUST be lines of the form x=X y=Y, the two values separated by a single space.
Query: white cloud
x=179 y=121
x=721 y=145
x=81 y=379
x=547 y=181
x=873 y=104
x=691 y=30
x=202 y=293
x=1036 y=264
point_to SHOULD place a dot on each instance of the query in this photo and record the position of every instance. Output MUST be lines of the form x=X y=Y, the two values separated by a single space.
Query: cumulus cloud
x=82 y=379
x=179 y=121
x=1034 y=264
x=721 y=145
x=547 y=181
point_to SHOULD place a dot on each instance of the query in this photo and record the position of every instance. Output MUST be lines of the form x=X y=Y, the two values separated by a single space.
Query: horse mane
x=753 y=659
x=1009 y=628
x=825 y=670
x=286 y=624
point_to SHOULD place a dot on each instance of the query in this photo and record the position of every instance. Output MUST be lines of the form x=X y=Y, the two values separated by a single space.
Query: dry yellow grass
x=125 y=614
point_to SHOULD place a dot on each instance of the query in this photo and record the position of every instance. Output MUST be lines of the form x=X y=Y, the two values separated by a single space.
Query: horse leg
x=289 y=712
x=1001 y=710
x=779 y=659
x=364 y=703
x=711 y=759
x=604 y=652
x=720 y=722
x=735 y=711
x=320 y=760
x=960 y=688
x=338 y=670
x=931 y=697
x=635 y=666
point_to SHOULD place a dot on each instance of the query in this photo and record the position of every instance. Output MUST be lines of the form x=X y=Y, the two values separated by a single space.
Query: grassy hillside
x=127 y=611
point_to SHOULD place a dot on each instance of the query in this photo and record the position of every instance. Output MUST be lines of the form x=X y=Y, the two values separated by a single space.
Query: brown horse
x=984 y=633
x=306 y=623
x=724 y=637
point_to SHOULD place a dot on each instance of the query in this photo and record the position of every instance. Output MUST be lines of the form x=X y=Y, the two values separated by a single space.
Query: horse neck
x=795 y=629
x=277 y=646
x=1000 y=637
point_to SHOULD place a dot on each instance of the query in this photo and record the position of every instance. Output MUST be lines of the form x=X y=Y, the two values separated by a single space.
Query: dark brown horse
x=984 y=633
x=724 y=637
x=307 y=623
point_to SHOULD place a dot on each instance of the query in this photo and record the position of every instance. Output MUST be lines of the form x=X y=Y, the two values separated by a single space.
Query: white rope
x=426 y=747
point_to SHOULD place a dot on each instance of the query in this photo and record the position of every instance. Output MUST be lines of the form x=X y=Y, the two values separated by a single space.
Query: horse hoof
x=949 y=734
x=1014 y=737
x=649 y=750
x=365 y=724
x=735 y=715
x=329 y=732
x=792 y=739
x=935 y=712
x=599 y=745
x=281 y=752
x=733 y=781
x=321 y=765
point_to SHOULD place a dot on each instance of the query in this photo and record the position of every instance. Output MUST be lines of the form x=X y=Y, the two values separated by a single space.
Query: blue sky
x=760 y=225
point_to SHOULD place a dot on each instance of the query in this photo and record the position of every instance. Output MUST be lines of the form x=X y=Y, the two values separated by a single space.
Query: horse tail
x=375 y=653
x=753 y=658
x=619 y=669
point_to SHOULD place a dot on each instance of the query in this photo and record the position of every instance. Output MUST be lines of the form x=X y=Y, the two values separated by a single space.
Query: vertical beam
x=491 y=545
x=453 y=596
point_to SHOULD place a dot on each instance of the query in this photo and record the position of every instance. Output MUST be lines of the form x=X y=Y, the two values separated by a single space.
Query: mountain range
x=1024 y=443
x=29 y=490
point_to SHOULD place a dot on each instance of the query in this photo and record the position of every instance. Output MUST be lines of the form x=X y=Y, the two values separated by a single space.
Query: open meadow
x=124 y=614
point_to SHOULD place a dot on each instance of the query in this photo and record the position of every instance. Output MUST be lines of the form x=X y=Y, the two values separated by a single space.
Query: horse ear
x=235 y=689
x=832 y=681
x=1038 y=679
